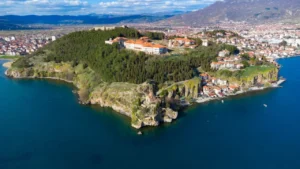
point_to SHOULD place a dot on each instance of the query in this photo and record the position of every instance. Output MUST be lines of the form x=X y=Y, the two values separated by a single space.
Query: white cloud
x=41 y=7
x=75 y=2
x=150 y=6
x=36 y=2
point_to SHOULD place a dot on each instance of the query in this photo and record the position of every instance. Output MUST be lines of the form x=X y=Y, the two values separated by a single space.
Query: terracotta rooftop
x=144 y=44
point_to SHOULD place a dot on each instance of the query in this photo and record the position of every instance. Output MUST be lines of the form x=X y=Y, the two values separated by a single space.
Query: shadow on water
x=110 y=112
x=49 y=81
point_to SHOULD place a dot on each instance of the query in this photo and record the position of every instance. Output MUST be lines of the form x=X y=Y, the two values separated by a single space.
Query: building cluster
x=214 y=87
x=26 y=42
x=182 y=42
x=264 y=40
x=23 y=45
x=260 y=47
x=272 y=42
x=144 y=44
x=225 y=61
x=107 y=28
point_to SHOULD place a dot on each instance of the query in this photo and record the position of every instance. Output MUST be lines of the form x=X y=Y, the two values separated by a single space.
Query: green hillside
x=115 y=65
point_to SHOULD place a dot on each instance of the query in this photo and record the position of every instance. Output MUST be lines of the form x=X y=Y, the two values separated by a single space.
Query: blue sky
x=80 y=7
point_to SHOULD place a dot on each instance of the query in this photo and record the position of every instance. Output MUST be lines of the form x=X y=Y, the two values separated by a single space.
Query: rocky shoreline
x=140 y=102
x=146 y=114
x=31 y=77
x=204 y=100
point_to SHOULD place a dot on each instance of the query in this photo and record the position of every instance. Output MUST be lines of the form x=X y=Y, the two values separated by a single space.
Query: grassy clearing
x=246 y=75
x=253 y=70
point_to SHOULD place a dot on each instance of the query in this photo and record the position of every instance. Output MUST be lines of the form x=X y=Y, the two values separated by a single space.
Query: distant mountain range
x=4 y=25
x=252 y=11
x=13 y=22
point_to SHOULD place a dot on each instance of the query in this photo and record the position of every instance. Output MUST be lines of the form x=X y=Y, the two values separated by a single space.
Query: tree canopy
x=113 y=64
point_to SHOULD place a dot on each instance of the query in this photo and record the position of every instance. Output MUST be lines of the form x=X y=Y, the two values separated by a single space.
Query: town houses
x=224 y=53
x=216 y=87
x=182 y=42
x=205 y=42
x=14 y=43
x=144 y=44
x=24 y=43
x=230 y=62
x=13 y=46
x=264 y=40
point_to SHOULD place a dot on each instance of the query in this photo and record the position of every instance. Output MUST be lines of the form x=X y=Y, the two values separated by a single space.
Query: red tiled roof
x=145 y=44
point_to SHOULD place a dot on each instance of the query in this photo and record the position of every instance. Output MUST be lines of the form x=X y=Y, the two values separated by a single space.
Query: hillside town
x=254 y=42
x=23 y=45
x=261 y=43
x=214 y=87
x=230 y=62
x=269 y=40
x=182 y=42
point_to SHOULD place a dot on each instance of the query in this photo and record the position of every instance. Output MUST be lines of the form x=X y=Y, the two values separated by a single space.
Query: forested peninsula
x=150 y=89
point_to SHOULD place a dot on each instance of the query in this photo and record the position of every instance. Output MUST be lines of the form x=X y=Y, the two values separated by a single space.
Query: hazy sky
x=78 y=7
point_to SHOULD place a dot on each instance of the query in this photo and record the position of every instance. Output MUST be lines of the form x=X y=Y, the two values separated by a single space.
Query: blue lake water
x=43 y=127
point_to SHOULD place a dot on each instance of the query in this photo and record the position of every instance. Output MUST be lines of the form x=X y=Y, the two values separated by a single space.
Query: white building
x=142 y=45
x=147 y=47
x=105 y=28
x=204 y=42
x=224 y=53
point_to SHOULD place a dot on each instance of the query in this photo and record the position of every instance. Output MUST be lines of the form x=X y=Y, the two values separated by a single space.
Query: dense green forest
x=113 y=64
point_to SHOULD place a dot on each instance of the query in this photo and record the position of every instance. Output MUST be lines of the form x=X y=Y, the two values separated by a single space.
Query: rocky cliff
x=251 y=76
x=137 y=101
x=262 y=78
x=187 y=89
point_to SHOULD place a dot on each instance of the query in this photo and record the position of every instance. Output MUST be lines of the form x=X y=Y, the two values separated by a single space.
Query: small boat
x=265 y=105
x=140 y=133
x=222 y=101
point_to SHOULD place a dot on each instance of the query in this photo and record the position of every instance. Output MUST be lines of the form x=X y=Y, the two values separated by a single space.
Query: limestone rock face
x=171 y=113
x=137 y=101
x=261 y=79
x=188 y=89
x=14 y=74
x=137 y=125
x=170 y=94
x=118 y=96
x=167 y=119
